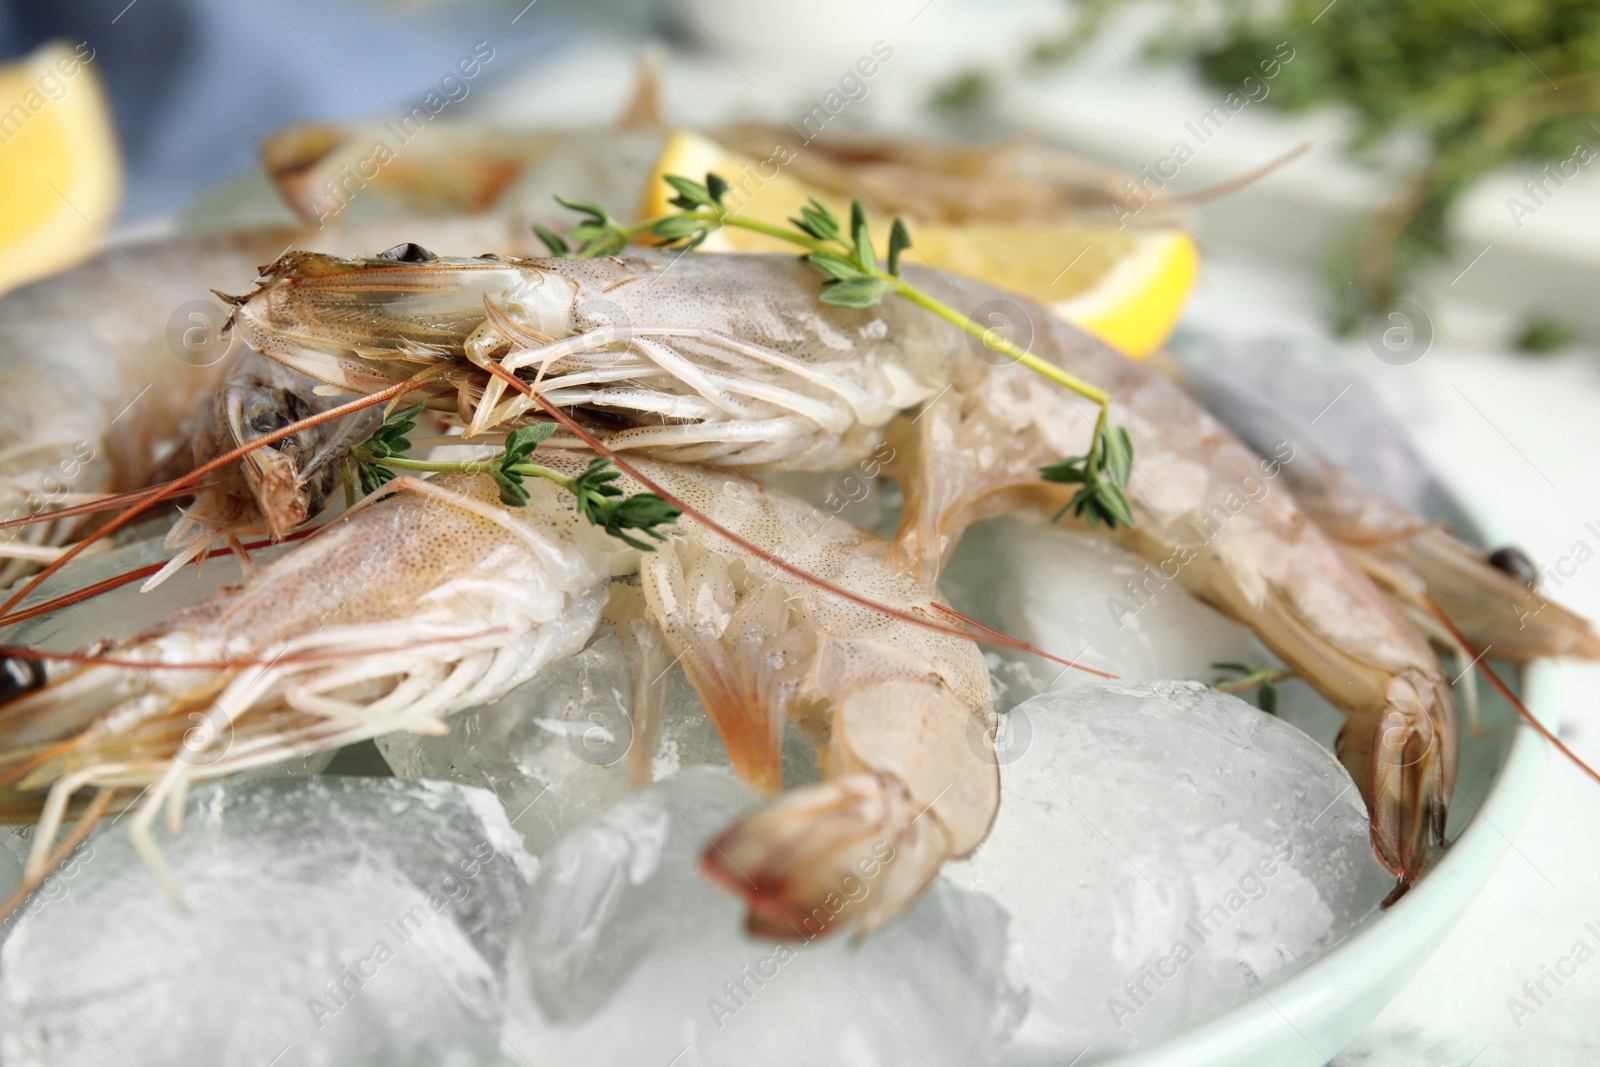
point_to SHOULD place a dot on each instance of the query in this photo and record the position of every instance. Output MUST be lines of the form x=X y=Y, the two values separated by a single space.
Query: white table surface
x=1514 y=436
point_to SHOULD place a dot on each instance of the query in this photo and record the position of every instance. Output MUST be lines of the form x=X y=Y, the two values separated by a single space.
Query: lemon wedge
x=1126 y=286
x=60 y=172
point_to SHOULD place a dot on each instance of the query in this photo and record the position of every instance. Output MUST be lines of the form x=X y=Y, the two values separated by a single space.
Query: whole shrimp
x=389 y=618
x=732 y=360
x=511 y=172
x=440 y=597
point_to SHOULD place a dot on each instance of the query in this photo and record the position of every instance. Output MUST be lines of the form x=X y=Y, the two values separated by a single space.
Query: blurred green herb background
x=1481 y=83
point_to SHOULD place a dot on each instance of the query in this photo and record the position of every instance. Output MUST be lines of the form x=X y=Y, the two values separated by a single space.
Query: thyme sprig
x=856 y=279
x=1103 y=473
x=599 y=499
x=387 y=441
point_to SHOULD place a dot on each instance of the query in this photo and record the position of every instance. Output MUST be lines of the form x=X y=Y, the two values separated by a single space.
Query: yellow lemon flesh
x=1126 y=286
x=60 y=173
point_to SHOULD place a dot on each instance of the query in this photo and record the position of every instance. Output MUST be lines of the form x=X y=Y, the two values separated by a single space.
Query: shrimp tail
x=1403 y=759
x=1494 y=609
x=852 y=850
x=710 y=614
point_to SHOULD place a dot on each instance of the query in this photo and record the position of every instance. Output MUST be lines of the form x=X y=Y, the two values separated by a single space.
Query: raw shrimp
x=491 y=594
x=1020 y=181
x=733 y=360
x=97 y=380
x=511 y=172
x=902 y=715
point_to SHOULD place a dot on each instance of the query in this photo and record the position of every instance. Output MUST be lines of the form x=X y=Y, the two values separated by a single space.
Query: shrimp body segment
x=770 y=379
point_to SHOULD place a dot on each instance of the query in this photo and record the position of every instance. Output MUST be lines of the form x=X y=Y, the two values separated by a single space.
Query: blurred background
x=1438 y=241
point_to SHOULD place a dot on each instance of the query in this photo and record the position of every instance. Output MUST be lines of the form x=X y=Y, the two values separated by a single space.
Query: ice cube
x=1078 y=595
x=627 y=956
x=555 y=749
x=1164 y=850
x=337 y=921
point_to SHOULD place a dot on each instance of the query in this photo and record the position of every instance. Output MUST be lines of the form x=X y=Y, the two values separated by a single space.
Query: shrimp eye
x=19 y=676
x=410 y=252
x=1516 y=563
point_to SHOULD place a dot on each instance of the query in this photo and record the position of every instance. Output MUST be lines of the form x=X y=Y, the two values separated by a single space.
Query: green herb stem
x=1001 y=345
x=911 y=293
x=526 y=469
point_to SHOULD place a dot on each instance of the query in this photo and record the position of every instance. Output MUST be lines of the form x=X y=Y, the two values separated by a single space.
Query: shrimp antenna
x=20 y=652
x=1230 y=185
x=175 y=486
x=105 y=585
x=572 y=427
x=105 y=503
x=1512 y=698
x=952 y=612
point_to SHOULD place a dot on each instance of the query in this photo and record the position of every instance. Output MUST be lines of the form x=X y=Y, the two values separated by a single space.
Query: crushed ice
x=1163 y=852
